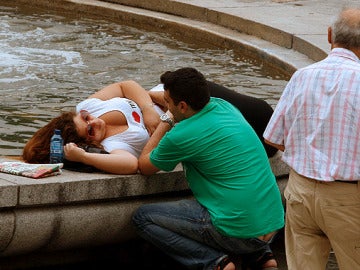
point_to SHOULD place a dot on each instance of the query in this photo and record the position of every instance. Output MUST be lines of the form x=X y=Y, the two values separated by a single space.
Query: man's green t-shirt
x=227 y=169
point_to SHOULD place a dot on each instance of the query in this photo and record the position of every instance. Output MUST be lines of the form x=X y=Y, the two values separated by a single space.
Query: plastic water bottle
x=56 y=147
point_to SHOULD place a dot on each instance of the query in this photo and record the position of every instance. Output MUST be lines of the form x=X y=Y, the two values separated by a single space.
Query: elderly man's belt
x=348 y=182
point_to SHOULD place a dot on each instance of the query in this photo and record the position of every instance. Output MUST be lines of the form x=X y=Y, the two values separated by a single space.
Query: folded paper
x=31 y=170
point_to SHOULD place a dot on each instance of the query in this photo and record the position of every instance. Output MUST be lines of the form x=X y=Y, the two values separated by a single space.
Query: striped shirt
x=317 y=119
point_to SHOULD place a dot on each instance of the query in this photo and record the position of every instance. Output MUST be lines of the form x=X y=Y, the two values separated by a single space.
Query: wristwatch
x=165 y=118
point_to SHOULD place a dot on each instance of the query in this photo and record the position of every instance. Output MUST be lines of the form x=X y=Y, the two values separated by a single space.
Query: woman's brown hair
x=37 y=149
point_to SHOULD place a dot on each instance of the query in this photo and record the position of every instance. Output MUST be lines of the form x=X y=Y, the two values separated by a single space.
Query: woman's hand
x=158 y=98
x=151 y=118
x=73 y=153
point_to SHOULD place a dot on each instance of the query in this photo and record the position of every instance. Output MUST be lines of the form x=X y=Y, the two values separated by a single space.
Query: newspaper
x=31 y=170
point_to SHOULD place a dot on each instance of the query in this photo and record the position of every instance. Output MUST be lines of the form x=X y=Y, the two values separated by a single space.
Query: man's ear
x=183 y=107
x=330 y=35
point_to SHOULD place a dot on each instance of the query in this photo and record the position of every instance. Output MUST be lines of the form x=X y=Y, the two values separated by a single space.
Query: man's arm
x=278 y=146
x=145 y=165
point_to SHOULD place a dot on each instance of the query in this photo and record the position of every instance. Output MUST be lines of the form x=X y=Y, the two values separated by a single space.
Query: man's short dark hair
x=187 y=84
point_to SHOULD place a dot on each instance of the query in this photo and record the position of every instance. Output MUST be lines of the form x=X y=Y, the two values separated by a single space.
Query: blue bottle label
x=56 y=149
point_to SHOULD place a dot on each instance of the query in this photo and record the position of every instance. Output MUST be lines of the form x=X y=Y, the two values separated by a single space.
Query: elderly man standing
x=317 y=125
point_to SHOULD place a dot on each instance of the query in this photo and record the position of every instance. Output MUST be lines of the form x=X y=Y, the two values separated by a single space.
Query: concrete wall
x=76 y=210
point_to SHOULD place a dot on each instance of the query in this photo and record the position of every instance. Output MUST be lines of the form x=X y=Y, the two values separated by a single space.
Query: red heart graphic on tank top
x=136 y=116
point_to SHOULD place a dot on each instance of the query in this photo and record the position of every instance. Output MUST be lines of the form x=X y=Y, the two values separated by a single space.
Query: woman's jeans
x=183 y=230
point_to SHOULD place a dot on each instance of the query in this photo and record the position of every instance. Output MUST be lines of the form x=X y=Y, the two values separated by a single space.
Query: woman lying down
x=118 y=120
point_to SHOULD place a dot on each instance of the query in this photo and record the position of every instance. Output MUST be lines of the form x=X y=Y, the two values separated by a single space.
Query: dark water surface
x=51 y=61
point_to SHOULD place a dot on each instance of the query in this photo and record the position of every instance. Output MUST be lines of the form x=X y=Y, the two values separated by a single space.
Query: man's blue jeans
x=183 y=230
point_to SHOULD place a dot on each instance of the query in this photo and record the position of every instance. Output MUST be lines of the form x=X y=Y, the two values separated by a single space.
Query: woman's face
x=89 y=127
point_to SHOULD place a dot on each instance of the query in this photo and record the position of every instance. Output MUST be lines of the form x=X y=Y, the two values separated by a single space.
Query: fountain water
x=51 y=61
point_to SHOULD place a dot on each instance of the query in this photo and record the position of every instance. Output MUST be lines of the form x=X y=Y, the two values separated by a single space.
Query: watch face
x=164 y=117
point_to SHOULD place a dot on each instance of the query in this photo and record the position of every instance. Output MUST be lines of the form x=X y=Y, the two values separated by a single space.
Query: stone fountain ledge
x=75 y=210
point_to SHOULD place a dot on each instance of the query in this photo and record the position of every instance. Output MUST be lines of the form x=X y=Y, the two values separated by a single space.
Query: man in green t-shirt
x=237 y=207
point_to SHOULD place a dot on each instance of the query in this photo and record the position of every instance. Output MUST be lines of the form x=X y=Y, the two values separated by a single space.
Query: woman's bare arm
x=133 y=91
x=117 y=162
